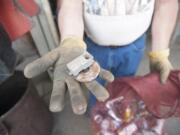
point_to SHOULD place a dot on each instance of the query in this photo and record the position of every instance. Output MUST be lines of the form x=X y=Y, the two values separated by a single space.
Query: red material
x=29 y=7
x=16 y=17
x=161 y=99
x=145 y=97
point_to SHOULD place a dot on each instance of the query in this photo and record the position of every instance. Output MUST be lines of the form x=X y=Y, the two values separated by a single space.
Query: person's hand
x=69 y=49
x=160 y=63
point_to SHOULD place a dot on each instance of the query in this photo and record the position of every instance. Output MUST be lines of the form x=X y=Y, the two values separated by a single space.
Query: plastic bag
x=137 y=106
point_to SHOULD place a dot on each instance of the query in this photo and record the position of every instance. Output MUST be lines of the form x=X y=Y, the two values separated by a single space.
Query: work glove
x=69 y=49
x=160 y=63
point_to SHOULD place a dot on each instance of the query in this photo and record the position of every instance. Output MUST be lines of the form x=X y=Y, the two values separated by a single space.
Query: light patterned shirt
x=115 y=7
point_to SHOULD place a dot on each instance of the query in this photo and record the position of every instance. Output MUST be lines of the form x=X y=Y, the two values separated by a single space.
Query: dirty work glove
x=69 y=49
x=159 y=62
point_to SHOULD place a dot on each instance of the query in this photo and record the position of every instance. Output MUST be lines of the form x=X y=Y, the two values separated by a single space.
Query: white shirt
x=117 y=22
x=116 y=7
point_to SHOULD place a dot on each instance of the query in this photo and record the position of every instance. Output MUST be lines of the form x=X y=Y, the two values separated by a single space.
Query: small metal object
x=105 y=124
x=128 y=130
x=110 y=103
x=114 y=116
x=98 y=118
x=84 y=68
x=89 y=74
x=110 y=107
x=128 y=116
x=80 y=63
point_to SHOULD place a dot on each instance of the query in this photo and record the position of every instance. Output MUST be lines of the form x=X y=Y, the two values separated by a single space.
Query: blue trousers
x=121 y=61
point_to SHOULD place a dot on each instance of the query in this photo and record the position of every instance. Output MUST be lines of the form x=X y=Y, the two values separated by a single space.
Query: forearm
x=164 y=21
x=70 y=18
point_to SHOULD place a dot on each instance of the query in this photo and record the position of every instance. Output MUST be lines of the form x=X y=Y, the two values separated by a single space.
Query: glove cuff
x=73 y=41
x=163 y=54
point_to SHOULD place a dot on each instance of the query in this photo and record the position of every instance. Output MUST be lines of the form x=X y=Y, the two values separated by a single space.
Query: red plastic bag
x=137 y=106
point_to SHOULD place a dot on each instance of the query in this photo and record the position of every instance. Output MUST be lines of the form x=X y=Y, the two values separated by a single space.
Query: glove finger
x=106 y=75
x=40 y=65
x=164 y=73
x=97 y=90
x=78 y=101
x=57 y=96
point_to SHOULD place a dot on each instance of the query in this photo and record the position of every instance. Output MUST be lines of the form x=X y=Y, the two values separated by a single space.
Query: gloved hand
x=159 y=62
x=69 y=49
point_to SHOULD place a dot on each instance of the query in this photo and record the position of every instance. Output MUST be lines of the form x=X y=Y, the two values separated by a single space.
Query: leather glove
x=160 y=63
x=69 y=49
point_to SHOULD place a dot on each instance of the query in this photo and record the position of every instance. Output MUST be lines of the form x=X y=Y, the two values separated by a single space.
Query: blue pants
x=121 y=61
